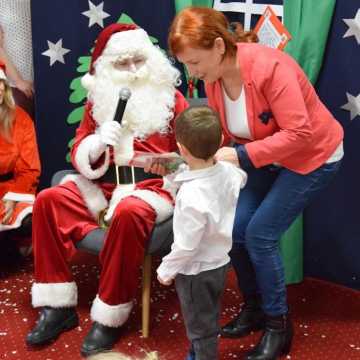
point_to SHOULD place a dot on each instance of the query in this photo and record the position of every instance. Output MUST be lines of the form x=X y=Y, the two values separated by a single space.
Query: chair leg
x=146 y=288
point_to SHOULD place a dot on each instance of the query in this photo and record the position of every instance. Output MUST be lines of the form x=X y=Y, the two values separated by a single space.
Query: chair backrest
x=197 y=101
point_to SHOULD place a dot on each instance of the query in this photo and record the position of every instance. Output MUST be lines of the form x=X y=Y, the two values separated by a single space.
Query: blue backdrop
x=332 y=231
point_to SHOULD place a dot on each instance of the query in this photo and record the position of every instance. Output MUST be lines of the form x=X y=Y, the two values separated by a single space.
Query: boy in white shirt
x=203 y=222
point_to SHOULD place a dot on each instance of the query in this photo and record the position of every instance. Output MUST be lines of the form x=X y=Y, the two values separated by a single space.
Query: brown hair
x=198 y=129
x=198 y=27
x=7 y=112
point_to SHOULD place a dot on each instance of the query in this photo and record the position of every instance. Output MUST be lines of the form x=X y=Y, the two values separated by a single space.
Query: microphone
x=124 y=96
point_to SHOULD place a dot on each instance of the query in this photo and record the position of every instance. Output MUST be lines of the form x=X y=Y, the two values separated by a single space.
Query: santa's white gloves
x=109 y=133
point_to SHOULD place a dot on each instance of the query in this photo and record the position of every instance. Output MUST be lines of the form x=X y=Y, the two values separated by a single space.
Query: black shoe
x=51 y=323
x=275 y=341
x=251 y=318
x=100 y=338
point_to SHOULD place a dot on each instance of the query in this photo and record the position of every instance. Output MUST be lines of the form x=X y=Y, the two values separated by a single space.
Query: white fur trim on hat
x=56 y=295
x=91 y=193
x=110 y=315
x=2 y=75
x=82 y=159
x=127 y=42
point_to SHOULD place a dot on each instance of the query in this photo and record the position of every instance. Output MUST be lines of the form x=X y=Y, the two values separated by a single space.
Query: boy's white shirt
x=203 y=219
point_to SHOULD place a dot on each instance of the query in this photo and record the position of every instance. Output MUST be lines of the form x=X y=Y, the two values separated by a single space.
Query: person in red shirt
x=283 y=136
x=19 y=160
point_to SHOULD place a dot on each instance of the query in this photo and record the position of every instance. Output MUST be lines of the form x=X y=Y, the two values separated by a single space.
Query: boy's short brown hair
x=198 y=129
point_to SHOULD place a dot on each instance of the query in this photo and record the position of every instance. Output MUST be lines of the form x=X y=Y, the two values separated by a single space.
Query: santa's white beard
x=150 y=107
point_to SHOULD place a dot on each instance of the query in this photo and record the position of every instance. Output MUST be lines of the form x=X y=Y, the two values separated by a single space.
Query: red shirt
x=21 y=158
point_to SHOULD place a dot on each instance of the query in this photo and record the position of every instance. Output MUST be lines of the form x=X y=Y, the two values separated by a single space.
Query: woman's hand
x=9 y=206
x=229 y=154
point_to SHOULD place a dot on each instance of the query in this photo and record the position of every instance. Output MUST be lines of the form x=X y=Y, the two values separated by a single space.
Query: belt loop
x=117 y=174
x=133 y=175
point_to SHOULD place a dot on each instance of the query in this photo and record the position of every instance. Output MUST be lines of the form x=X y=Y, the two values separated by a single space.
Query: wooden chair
x=159 y=244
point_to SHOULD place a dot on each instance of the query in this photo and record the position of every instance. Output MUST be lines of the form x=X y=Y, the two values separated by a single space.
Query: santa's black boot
x=100 y=338
x=51 y=323
x=250 y=318
x=275 y=341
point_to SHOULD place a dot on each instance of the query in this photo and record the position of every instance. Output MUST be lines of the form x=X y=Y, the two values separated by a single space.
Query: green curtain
x=308 y=22
x=180 y=4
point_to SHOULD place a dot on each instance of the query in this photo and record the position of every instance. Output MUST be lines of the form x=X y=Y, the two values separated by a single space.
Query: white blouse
x=236 y=116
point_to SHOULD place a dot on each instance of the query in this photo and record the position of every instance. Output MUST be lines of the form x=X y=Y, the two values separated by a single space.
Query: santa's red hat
x=103 y=39
x=116 y=40
x=2 y=71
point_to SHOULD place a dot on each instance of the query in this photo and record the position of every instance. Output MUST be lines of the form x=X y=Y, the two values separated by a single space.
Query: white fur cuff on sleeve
x=82 y=158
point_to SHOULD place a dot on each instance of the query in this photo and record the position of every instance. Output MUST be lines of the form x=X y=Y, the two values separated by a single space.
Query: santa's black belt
x=125 y=175
x=6 y=177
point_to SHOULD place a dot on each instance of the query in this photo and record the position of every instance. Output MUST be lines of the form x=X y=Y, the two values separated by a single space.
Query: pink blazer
x=288 y=122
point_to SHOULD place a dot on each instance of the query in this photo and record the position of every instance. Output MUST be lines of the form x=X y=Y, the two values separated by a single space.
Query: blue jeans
x=267 y=206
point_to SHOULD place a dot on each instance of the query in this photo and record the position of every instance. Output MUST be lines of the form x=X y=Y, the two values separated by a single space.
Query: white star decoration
x=96 y=14
x=56 y=52
x=354 y=27
x=353 y=105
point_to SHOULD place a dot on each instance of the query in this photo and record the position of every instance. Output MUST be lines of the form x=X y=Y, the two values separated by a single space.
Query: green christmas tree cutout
x=78 y=93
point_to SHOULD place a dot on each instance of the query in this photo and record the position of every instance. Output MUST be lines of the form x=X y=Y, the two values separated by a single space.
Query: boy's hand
x=229 y=154
x=156 y=167
x=163 y=282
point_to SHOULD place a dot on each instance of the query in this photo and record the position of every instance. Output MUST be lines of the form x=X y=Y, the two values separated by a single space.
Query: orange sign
x=271 y=31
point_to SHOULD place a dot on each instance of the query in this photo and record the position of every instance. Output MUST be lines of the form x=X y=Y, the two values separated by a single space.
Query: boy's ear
x=183 y=150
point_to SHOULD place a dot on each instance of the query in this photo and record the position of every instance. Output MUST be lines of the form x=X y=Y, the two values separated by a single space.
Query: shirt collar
x=188 y=175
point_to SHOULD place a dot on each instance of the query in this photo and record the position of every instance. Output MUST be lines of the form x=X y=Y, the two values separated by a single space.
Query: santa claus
x=124 y=57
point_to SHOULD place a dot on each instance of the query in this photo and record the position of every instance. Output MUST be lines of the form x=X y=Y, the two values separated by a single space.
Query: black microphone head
x=125 y=94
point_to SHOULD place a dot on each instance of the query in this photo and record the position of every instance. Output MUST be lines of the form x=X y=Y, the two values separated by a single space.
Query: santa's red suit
x=64 y=214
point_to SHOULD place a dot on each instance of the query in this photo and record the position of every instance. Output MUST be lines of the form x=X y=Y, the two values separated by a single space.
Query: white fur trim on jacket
x=82 y=158
x=56 y=295
x=110 y=315
x=91 y=193
x=161 y=206
x=29 y=198
x=121 y=192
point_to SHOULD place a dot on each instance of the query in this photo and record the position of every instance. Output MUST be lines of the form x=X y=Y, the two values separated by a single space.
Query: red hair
x=198 y=27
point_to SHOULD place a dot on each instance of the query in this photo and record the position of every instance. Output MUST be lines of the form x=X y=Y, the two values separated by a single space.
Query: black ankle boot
x=100 y=338
x=275 y=341
x=251 y=318
x=51 y=323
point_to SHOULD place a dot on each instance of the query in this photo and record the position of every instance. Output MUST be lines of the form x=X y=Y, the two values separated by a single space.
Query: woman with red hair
x=283 y=136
